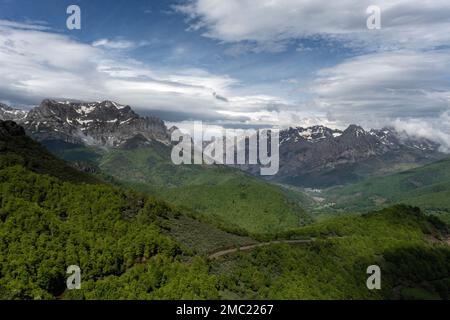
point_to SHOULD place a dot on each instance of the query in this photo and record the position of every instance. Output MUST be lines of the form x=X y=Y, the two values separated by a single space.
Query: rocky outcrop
x=8 y=113
x=320 y=157
x=103 y=124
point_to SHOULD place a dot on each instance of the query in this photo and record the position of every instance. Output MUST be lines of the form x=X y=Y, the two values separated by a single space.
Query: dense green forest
x=132 y=246
x=117 y=240
x=217 y=193
x=408 y=246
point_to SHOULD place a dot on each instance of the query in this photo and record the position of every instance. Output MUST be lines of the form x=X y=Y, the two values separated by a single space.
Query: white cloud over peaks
x=408 y=89
x=405 y=23
x=29 y=70
x=69 y=69
x=434 y=129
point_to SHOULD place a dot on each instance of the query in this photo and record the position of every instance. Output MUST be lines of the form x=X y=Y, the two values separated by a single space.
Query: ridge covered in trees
x=52 y=217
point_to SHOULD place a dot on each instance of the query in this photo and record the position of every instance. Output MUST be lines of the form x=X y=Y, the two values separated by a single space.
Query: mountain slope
x=129 y=246
x=47 y=225
x=321 y=157
x=17 y=148
x=113 y=140
x=226 y=196
x=11 y=114
x=427 y=187
x=219 y=193
x=408 y=247
x=103 y=124
x=49 y=220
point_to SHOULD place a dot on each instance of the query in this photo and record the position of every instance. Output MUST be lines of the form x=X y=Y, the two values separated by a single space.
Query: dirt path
x=221 y=253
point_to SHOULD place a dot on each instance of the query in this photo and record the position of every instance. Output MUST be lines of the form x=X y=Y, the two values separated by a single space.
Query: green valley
x=223 y=195
x=427 y=187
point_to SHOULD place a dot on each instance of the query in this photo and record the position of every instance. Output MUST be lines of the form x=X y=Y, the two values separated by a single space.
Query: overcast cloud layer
x=394 y=76
x=406 y=23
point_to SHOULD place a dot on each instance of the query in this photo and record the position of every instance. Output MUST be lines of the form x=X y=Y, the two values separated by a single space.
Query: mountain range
x=321 y=157
x=112 y=140
x=103 y=124
x=316 y=157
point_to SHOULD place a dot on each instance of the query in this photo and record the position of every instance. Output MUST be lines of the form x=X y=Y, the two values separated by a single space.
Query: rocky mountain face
x=103 y=124
x=309 y=157
x=8 y=113
x=319 y=156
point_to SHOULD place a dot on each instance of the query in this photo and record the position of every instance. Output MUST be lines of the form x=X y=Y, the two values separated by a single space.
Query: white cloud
x=405 y=88
x=26 y=26
x=28 y=71
x=405 y=23
x=113 y=44
x=435 y=129
x=76 y=70
x=118 y=44
x=395 y=83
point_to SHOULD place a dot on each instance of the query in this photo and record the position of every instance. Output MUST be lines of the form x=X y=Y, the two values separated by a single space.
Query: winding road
x=224 y=252
x=221 y=253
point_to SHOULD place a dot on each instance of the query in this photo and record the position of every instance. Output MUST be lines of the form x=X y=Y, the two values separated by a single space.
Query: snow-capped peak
x=8 y=113
x=311 y=134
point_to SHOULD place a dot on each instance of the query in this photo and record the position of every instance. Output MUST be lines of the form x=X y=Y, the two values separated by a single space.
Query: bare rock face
x=309 y=157
x=321 y=157
x=8 y=113
x=102 y=124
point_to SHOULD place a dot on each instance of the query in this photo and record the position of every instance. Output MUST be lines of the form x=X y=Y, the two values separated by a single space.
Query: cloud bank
x=75 y=70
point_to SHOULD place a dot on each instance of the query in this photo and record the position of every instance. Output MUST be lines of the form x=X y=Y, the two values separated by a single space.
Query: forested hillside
x=427 y=187
x=221 y=194
x=17 y=148
x=408 y=246
x=131 y=246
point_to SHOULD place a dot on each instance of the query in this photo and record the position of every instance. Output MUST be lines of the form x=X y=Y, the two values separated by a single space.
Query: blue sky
x=238 y=62
x=167 y=43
